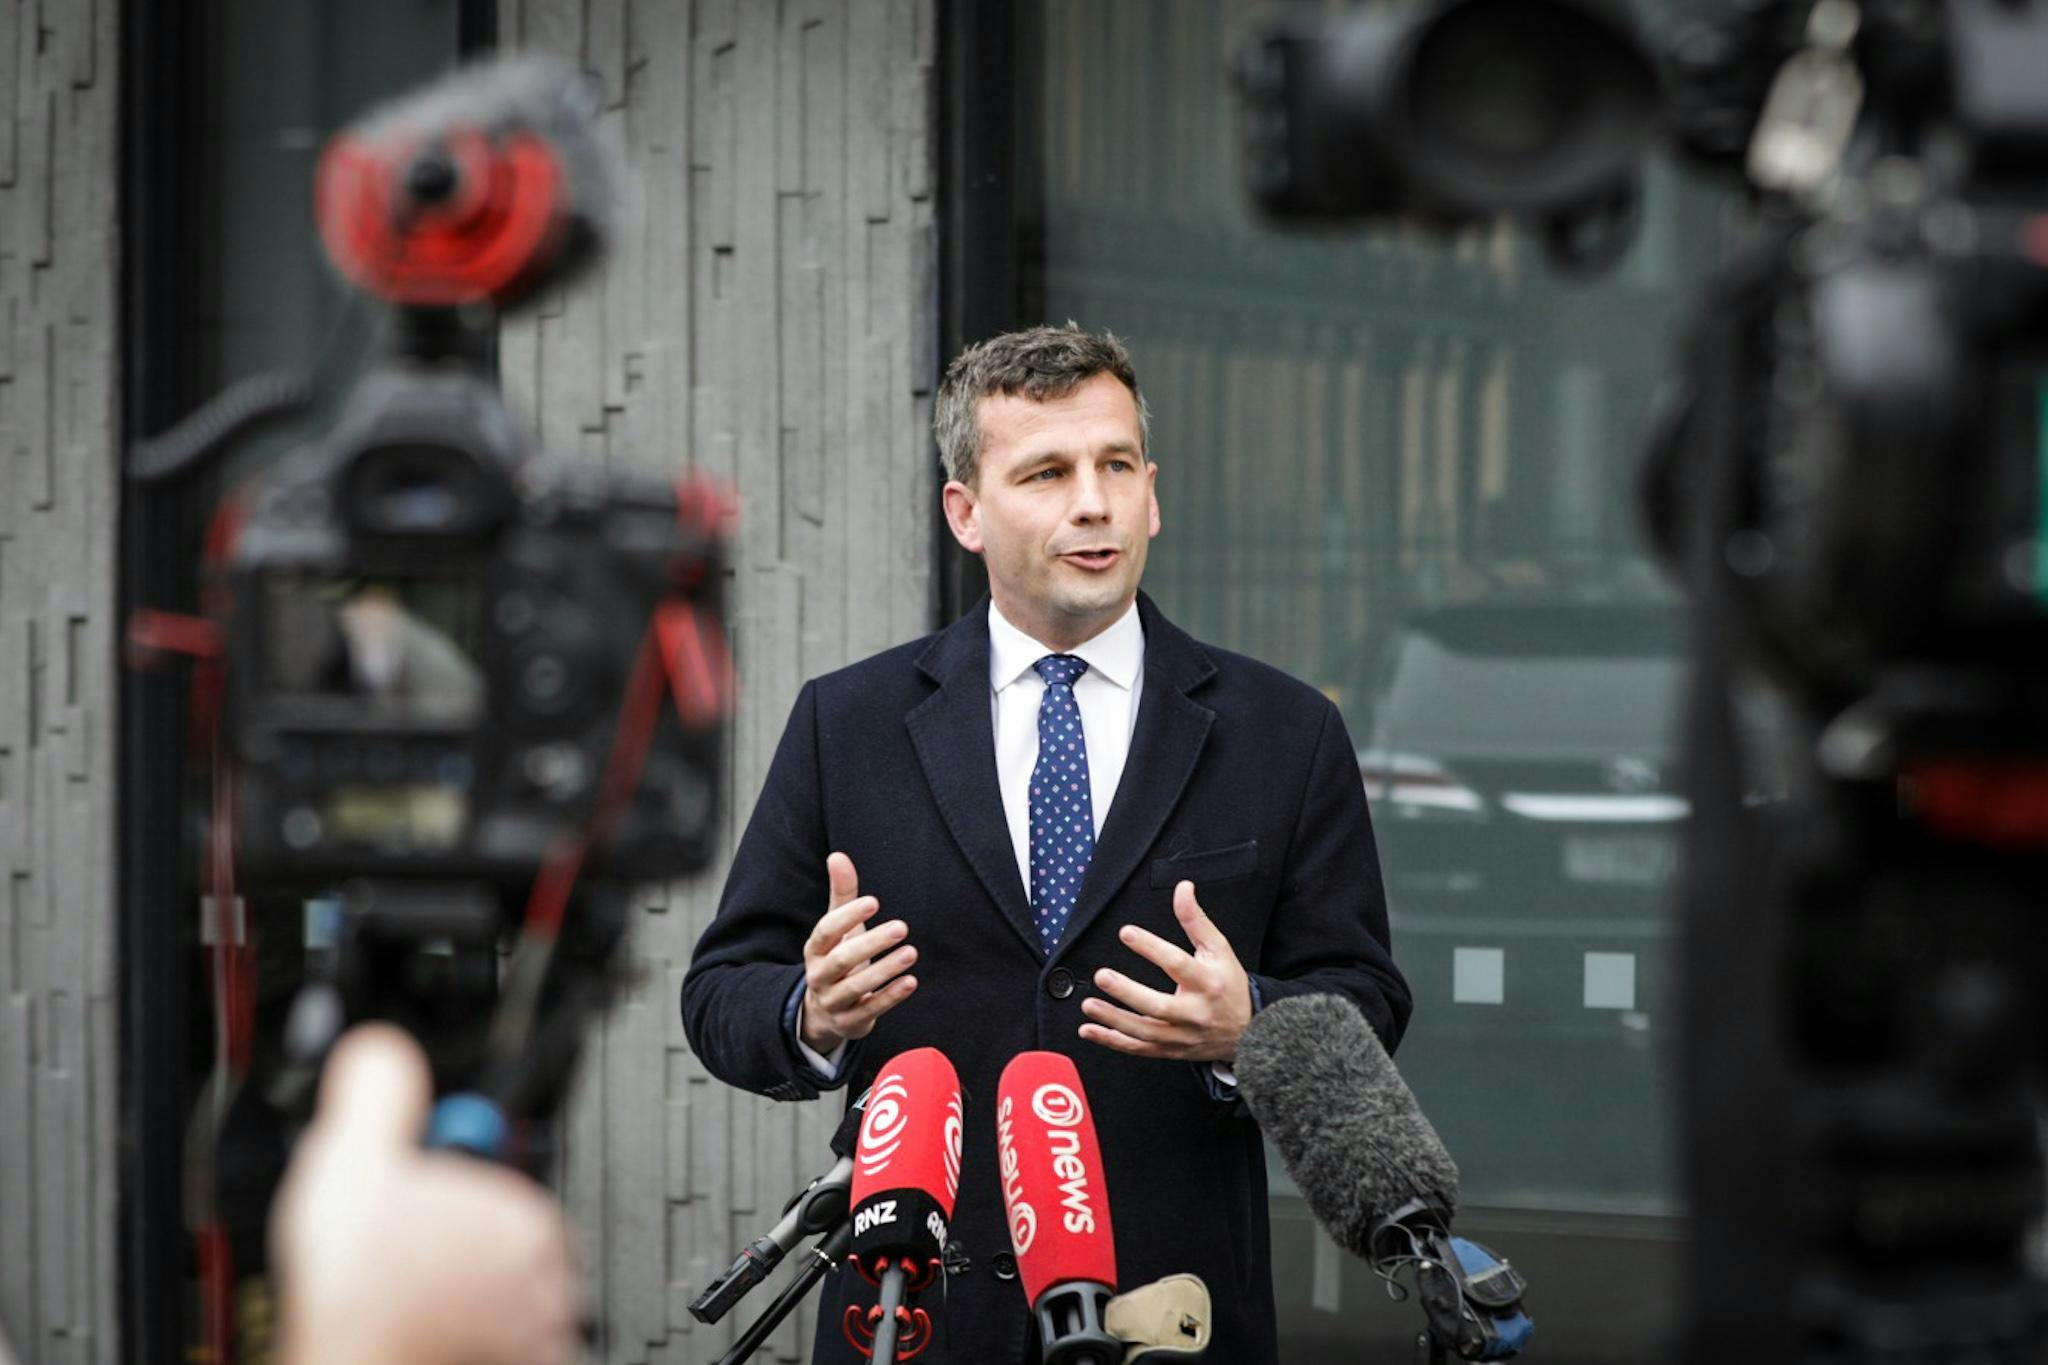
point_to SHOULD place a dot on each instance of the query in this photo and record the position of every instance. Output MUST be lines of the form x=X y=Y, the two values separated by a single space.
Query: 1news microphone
x=906 y=1176
x=819 y=1207
x=1058 y=1207
x=1371 y=1167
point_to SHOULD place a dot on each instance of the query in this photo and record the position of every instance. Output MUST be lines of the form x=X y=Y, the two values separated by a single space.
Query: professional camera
x=445 y=643
x=468 y=693
x=1894 y=298
x=456 y=698
x=1852 y=480
x=434 y=629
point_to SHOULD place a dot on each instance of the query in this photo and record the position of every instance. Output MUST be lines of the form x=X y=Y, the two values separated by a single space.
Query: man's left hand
x=1208 y=1010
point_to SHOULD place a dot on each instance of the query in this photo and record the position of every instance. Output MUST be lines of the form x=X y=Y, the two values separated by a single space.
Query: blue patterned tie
x=1062 y=806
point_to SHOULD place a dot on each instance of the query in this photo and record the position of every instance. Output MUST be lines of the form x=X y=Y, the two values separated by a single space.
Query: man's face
x=1062 y=509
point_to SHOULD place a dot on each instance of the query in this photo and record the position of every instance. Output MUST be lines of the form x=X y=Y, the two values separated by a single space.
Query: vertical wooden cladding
x=765 y=317
x=58 y=545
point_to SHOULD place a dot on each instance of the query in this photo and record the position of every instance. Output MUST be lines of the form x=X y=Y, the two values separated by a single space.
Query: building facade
x=1399 y=468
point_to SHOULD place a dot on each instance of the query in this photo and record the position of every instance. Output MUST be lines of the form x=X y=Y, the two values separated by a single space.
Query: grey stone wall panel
x=766 y=318
x=59 y=504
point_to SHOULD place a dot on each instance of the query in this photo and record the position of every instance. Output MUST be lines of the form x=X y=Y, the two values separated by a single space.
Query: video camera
x=1852 y=480
x=455 y=697
x=1894 y=303
x=461 y=692
x=433 y=624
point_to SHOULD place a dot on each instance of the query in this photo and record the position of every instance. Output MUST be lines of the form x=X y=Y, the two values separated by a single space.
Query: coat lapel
x=956 y=745
x=1165 y=747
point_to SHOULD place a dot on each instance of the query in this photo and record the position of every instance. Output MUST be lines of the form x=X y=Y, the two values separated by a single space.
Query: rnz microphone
x=1371 y=1167
x=1058 y=1207
x=906 y=1176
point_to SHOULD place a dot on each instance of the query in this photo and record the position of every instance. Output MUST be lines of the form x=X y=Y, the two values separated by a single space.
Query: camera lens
x=1525 y=103
x=1494 y=99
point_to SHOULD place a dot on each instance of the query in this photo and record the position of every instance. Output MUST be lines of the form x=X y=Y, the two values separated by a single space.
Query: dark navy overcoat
x=1240 y=779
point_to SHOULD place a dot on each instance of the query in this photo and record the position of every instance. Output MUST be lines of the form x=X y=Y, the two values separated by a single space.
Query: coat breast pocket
x=1206 y=868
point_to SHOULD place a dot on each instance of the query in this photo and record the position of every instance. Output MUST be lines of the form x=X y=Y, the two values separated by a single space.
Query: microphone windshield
x=1323 y=1088
x=1053 y=1188
x=906 y=1166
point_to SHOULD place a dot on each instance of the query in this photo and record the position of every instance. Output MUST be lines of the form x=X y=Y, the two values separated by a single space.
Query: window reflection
x=1404 y=469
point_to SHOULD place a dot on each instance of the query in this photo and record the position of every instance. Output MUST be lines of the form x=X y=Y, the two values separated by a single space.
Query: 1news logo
x=1023 y=1218
x=1059 y=1106
x=1062 y=1112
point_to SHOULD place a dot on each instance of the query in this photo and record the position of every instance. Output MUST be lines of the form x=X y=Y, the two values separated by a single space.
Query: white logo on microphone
x=1062 y=1112
x=1023 y=1218
x=954 y=1124
x=1023 y=1227
x=881 y=1132
x=1058 y=1106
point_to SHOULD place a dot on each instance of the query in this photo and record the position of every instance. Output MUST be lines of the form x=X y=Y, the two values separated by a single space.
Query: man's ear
x=963 y=515
x=1152 y=495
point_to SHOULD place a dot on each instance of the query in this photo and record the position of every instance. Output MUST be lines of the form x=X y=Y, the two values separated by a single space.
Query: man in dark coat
x=1059 y=824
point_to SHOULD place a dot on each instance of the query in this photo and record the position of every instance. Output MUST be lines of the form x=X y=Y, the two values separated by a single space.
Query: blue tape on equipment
x=1511 y=1327
x=470 y=1123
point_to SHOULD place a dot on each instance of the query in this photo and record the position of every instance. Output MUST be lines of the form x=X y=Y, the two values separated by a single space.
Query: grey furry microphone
x=1323 y=1088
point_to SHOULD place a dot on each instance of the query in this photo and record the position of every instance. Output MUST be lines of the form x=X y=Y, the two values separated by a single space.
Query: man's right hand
x=851 y=976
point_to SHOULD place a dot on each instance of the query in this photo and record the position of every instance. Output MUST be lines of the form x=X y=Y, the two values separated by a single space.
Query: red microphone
x=906 y=1174
x=1058 y=1207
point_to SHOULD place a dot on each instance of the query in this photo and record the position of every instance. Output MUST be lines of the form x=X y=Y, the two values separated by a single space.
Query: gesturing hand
x=847 y=986
x=1208 y=1010
x=388 y=1252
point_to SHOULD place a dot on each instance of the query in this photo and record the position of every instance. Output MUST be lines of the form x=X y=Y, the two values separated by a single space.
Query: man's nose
x=1090 y=500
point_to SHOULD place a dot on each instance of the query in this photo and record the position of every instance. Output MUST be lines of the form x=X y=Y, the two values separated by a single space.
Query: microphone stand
x=825 y=1256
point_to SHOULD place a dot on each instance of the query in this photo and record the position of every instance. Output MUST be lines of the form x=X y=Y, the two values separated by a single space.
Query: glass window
x=1404 y=469
x=293 y=73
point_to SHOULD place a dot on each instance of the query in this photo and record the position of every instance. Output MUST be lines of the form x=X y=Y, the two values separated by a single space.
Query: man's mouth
x=1091 y=559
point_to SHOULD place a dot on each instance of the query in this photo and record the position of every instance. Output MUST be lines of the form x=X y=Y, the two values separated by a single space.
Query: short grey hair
x=1038 y=363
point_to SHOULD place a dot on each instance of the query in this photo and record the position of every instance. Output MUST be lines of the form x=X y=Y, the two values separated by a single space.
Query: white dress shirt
x=1107 y=695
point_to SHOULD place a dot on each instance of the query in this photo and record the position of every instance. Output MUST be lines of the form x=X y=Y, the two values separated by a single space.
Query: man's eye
x=1046 y=474
x=1120 y=466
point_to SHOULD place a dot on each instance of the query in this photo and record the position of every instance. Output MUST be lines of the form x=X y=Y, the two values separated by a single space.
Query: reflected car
x=1526 y=751
x=1520 y=760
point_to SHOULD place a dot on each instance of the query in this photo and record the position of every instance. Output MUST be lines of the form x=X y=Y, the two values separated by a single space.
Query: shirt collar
x=1116 y=653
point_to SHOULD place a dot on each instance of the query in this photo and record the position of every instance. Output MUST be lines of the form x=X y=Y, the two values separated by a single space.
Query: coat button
x=1060 y=984
x=1004 y=1265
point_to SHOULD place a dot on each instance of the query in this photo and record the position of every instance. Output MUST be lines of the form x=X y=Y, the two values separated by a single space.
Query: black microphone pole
x=824 y=1257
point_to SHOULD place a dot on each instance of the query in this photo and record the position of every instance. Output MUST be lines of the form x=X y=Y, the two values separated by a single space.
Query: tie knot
x=1060 y=669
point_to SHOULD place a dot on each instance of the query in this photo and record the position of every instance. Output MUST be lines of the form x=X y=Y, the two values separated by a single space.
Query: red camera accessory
x=467 y=220
x=473 y=192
